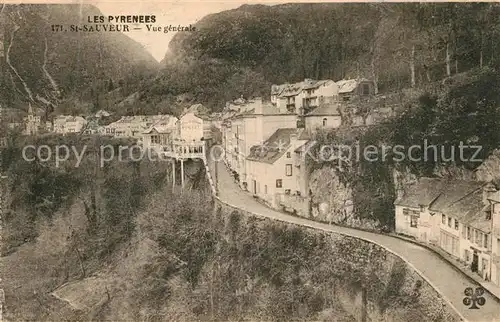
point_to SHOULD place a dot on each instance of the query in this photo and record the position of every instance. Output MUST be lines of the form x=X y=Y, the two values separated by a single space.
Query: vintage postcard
x=249 y=161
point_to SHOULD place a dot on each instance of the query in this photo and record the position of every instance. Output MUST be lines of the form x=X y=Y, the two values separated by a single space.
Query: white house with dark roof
x=302 y=97
x=455 y=215
x=326 y=116
x=274 y=170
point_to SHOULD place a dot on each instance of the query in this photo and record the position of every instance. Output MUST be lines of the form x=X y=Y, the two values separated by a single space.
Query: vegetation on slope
x=73 y=71
x=243 y=51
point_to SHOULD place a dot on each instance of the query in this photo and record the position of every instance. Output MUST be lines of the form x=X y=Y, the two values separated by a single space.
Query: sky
x=166 y=13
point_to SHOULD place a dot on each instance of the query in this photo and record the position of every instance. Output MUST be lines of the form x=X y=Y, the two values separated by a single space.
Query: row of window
x=475 y=236
x=450 y=221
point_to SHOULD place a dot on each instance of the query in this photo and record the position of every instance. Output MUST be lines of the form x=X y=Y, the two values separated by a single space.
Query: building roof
x=326 y=109
x=453 y=191
x=348 y=85
x=459 y=199
x=274 y=147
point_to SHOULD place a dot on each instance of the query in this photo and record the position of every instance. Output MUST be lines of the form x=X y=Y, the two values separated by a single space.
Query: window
x=406 y=211
x=289 y=155
x=449 y=222
x=414 y=221
x=346 y=98
x=464 y=232
x=287 y=191
x=485 y=243
x=279 y=183
x=488 y=215
x=422 y=208
x=466 y=255
x=456 y=224
x=443 y=219
x=468 y=233
x=325 y=121
x=478 y=237
x=288 y=170
x=365 y=89
x=265 y=189
x=155 y=139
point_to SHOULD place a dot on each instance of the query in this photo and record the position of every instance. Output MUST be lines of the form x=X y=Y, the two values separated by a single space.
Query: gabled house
x=455 y=215
x=326 y=116
x=33 y=121
x=161 y=134
x=300 y=98
x=352 y=89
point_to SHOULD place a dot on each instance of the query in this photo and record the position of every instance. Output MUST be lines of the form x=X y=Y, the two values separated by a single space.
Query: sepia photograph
x=215 y=161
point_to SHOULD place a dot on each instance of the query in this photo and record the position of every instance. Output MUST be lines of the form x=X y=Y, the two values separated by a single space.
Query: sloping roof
x=453 y=191
x=274 y=147
x=470 y=211
x=325 y=109
x=348 y=85
x=424 y=192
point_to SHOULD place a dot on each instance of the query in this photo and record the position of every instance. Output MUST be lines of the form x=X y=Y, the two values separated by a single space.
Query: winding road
x=449 y=282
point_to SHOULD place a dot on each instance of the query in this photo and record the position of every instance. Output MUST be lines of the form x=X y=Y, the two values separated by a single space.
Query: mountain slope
x=51 y=68
x=243 y=51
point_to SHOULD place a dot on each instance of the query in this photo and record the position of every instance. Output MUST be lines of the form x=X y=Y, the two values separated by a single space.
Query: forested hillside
x=244 y=51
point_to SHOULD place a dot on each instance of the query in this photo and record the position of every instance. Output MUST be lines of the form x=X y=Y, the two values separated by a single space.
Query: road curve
x=449 y=282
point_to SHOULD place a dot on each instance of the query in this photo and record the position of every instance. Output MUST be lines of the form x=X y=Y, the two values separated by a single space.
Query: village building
x=494 y=199
x=326 y=116
x=251 y=123
x=160 y=135
x=455 y=215
x=64 y=124
x=276 y=173
x=489 y=169
x=300 y=98
x=102 y=113
x=131 y=126
x=33 y=122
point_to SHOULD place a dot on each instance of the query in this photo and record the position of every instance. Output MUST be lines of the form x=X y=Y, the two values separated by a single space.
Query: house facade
x=251 y=124
x=352 y=89
x=326 y=116
x=273 y=168
x=161 y=134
